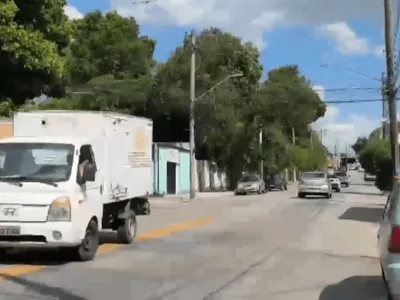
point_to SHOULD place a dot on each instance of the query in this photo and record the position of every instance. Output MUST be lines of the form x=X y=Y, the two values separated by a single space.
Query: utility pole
x=321 y=134
x=390 y=88
x=192 y=116
x=336 y=147
x=384 y=107
x=294 y=143
x=336 y=153
x=260 y=141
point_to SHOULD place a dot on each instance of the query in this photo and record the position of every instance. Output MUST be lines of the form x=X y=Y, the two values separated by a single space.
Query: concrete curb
x=184 y=198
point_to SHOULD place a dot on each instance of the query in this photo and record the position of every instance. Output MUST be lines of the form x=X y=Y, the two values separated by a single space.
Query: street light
x=218 y=84
x=192 y=134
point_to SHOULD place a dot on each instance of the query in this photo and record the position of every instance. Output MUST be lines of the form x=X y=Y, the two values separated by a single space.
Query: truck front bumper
x=49 y=234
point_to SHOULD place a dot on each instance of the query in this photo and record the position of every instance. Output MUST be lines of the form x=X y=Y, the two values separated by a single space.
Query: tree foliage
x=359 y=144
x=375 y=158
x=33 y=36
x=108 y=45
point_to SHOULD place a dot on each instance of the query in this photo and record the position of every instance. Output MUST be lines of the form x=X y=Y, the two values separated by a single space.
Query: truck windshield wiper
x=44 y=181
x=11 y=180
x=17 y=180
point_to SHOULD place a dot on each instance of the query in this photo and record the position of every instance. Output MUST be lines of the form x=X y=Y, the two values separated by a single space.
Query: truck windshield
x=35 y=162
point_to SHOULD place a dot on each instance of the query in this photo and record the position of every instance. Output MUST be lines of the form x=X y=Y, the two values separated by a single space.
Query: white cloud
x=347 y=41
x=248 y=19
x=320 y=90
x=339 y=132
x=343 y=133
x=72 y=12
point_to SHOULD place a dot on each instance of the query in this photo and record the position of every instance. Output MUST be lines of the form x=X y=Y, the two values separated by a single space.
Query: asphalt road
x=272 y=246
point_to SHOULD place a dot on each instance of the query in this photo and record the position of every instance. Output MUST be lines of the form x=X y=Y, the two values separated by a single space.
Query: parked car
x=275 y=182
x=361 y=169
x=335 y=182
x=314 y=183
x=369 y=177
x=389 y=244
x=343 y=177
x=250 y=183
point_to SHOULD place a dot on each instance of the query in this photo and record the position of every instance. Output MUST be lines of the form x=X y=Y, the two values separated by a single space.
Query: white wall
x=213 y=180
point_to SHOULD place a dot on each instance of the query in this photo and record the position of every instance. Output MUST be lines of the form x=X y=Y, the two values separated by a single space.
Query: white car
x=361 y=170
x=335 y=182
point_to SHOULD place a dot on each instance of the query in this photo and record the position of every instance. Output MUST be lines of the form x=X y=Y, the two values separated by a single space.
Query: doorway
x=171 y=178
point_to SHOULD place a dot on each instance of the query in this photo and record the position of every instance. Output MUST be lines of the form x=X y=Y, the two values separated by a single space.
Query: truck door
x=91 y=203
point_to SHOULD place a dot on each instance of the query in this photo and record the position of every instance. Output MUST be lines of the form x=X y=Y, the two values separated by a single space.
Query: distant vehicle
x=331 y=170
x=389 y=244
x=361 y=169
x=250 y=183
x=275 y=182
x=314 y=183
x=369 y=177
x=343 y=177
x=335 y=182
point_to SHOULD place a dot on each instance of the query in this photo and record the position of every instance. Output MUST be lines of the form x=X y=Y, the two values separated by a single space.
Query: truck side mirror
x=88 y=174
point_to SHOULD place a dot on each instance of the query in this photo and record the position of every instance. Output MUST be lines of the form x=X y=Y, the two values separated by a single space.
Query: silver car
x=343 y=177
x=315 y=183
x=389 y=244
x=250 y=184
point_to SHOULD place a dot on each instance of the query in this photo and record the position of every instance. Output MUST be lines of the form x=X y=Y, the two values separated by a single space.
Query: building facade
x=171 y=168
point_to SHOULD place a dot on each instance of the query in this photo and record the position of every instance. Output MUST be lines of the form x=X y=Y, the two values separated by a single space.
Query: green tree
x=289 y=98
x=359 y=144
x=286 y=100
x=109 y=65
x=219 y=55
x=34 y=37
x=372 y=153
x=108 y=45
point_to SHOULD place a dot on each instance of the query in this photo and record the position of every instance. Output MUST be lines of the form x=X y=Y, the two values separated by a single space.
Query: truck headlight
x=254 y=186
x=60 y=210
x=325 y=187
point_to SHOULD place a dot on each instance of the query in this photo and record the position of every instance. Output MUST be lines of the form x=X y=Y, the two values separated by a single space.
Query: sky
x=338 y=45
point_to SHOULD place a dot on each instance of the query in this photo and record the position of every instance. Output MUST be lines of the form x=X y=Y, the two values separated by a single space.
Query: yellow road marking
x=18 y=270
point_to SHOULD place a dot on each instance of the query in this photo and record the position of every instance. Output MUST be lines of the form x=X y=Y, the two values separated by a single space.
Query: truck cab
x=49 y=193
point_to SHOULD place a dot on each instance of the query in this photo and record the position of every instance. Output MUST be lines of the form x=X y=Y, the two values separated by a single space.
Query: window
x=314 y=175
x=86 y=154
x=32 y=162
x=249 y=178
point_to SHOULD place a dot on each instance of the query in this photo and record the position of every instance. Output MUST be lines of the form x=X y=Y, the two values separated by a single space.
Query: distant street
x=272 y=246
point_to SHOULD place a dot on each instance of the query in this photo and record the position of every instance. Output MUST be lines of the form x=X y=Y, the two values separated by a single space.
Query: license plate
x=10 y=230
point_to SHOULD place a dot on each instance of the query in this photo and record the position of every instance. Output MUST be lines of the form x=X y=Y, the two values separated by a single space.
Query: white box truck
x=66 y=175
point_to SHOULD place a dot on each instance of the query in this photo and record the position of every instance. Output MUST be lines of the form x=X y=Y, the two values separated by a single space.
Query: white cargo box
x=122 y=145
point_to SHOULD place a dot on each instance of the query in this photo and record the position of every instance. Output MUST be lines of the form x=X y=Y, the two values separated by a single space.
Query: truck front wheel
x=127 y=229
x=87 y=249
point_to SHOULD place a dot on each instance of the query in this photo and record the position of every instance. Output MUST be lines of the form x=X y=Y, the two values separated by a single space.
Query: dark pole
x=390 y=88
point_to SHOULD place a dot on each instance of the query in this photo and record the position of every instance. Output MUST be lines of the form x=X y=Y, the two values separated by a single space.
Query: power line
x=355 y=101
x=349 y=89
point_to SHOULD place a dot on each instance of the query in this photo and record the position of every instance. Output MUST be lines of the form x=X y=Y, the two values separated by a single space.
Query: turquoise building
x=171 y=168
